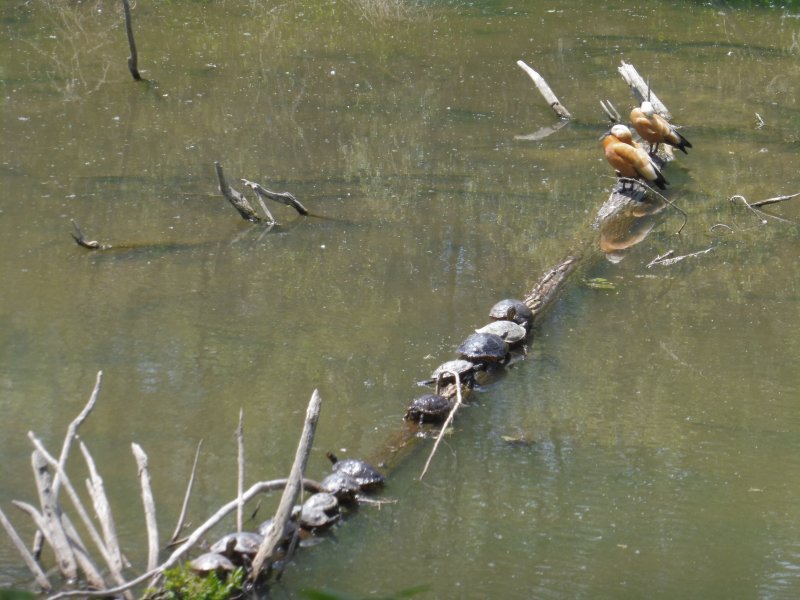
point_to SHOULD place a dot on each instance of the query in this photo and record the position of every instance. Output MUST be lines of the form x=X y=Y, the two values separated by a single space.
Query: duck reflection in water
x=626 y=219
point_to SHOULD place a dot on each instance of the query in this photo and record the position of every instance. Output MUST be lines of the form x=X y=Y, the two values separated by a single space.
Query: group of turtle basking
x=348 y=479
x=486 y=349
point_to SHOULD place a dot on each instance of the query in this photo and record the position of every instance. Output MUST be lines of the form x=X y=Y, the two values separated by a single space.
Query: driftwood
x=545 y=91
x=237 y=199
x=282 y=197
x=133 y=59
x=641 y=89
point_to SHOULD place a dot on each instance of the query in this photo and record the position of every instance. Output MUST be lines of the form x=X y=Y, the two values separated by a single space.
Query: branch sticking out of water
x=545 y=91
x=133 y=59
x=447 y=421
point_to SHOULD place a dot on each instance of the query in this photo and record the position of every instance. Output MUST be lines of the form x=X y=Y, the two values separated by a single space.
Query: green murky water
x=663 y=415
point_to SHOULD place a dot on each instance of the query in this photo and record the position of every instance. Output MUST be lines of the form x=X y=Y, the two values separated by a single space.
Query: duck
x=628 y=158
x=656 y=129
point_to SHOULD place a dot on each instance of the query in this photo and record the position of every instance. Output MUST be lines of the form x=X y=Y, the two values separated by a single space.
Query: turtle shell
x=320 y=510
x=463 y=367
x=288 y=530
x=366 y=475
x=236 y=545
x=512 y=310
x=483 y=347
x=341 y=485
x=211 y=562
x=511 y=332
x=430 y=408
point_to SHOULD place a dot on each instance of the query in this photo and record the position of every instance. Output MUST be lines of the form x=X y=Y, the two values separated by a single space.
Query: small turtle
x=238 y=546
x=513 y=333
x=512 y=310
x=443 y=374
x=342 y=485
x=288 y=530
x=430 y=408
x=483 y=347
x=319 y=511
x=366 y=475
x=212 y=562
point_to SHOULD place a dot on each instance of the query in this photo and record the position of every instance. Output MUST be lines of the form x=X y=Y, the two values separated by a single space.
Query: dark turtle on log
x=238 y=547
x=342 y=485
x=366 y=475
x=513 y=333
x=430 y=408
x=512 y=310
x=483 y=348
x=212 y=562
x=319 y=511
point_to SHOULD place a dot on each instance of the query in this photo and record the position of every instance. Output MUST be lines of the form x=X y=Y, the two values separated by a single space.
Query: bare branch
x=446 y=423
x=240 y=470
x=272 y=539
x=149 y=506
x=545 y=91
x=33 y=566
x=190 y=485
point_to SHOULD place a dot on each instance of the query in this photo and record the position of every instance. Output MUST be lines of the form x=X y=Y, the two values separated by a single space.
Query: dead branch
x=257 y=488
x=446 y=423
x=81 y=240
x=240 y=470
x=669 y=258
x=545 y=91
x=133 y=59
x=149 y=506
x=113 y=562
x=72 y=430
x=189 y=486
x=641 y=89
x=102 y=509
x=774 y=200
x=281 y=197
x=611 y=111
x=267 y=549
x=762 y=216
x=237 y=199
x=51 y=518
x=33 y=566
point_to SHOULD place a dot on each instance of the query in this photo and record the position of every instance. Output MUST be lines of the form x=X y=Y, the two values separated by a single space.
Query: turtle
x=319 y=511
x=288 y=530
x=367 y=477
x=430 y=408
x=513 y=333
x=238 y=546
x=512 y=310
x=342 y=485
x=443 y=374
x=212 y=562
x=484 y=348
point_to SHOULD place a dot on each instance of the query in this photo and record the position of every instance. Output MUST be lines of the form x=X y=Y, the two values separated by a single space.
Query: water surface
x=662 y=416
